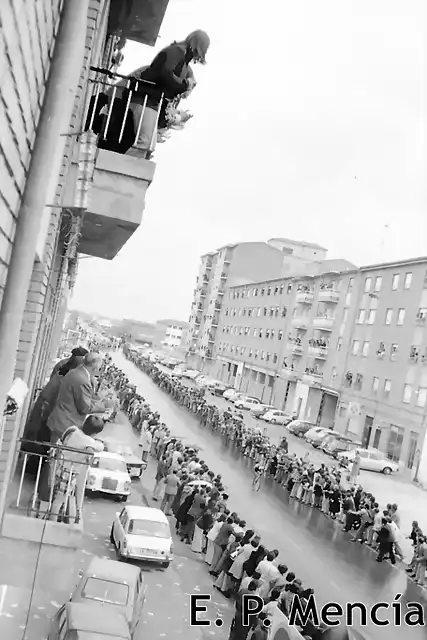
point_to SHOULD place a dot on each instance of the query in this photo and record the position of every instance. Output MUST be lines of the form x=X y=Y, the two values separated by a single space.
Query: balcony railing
x=299 y=322
x=323 y=323
x=321 y=353
x=313 y=377
x=304 y=297
x=116 y=112
x=329 y=295
x=50 y=481
x=223 y=276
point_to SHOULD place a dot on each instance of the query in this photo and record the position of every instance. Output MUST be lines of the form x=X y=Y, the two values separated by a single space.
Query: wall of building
x=33 y=38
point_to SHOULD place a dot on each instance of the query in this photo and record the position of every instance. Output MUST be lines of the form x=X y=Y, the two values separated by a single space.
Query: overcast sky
x=309 y=123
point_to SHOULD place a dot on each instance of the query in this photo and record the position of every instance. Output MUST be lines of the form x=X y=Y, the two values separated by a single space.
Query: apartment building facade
x=276 y=336
x=339 y=347
x=64 y=190
x=385 y=380
x=227 y=267
x=175 y=333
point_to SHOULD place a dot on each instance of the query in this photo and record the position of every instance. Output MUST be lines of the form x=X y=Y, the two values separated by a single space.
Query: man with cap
x=76 y=359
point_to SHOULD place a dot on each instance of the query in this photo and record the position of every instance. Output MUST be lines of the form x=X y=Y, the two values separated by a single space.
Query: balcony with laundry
x=329 y=292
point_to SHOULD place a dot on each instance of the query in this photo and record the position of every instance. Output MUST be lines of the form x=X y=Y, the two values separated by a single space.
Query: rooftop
x=301 y=243
x=397 y=263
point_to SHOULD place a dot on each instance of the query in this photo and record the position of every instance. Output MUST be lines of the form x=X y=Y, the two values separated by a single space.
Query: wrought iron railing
x=50 y=481
x=117 y=109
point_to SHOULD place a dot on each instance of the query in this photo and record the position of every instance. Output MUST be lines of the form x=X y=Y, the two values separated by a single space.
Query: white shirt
x=214 y=531
x=267 y=570
x=145 y=440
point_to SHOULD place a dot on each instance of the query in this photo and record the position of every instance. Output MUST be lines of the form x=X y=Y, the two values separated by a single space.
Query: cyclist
x=259 y=471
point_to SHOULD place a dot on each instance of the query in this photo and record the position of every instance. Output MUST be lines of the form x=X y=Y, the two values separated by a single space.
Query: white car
x=142 y=533
x=190 y=374
x=370 y=460
x=108 y=474
x=231 y=395
x=259 y=409
x=245 y=402
x=277 y=417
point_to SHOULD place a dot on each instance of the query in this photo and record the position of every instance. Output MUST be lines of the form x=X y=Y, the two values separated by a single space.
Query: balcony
x=109 y=176
x=304 y=297
x=223 y=276
x=45 y=497
x=312 y=378
x=299 y=322
x=197 y=320
x=220 y=292
x=329 y=295
x=290 y=374
x=295 y=348
x=320 y=353
x=218 y=306
x=323 y=323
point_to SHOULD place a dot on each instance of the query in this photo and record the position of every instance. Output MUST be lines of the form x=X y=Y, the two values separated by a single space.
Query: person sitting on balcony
x=173 y=77
x=77 y=398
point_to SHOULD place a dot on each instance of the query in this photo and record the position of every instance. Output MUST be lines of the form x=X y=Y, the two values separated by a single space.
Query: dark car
x=219 y=389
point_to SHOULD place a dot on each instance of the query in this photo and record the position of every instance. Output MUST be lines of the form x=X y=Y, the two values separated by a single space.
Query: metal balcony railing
x=117 y=107
x=50 y=481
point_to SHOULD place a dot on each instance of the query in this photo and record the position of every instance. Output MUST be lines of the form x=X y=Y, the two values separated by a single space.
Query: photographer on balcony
x=173 y=77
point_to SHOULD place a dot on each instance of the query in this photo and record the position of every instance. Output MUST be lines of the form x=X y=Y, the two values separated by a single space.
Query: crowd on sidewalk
x=322 y=488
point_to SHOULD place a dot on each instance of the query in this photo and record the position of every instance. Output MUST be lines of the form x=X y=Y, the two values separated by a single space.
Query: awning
x=138 y=20
x=332 y=392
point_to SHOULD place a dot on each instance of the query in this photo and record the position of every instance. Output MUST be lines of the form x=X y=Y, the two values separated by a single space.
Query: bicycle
x=256 y=483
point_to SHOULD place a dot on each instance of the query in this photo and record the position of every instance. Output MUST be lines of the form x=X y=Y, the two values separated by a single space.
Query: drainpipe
x=46 y=159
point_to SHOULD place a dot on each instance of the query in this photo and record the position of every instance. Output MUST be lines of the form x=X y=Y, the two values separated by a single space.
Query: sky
x=309 y=123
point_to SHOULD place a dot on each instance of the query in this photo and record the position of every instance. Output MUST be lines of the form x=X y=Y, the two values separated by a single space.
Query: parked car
x=300 y=427
x=118 y=586
x=246 y=402
x=332 y=445
x=142 y=533
x=190 y=374
x=259 y=409
x=74 y=621
x=370 y=460
x=108 y=474
x=316 y=435
x=231 y=395
x=274 y=416
x=133 y=463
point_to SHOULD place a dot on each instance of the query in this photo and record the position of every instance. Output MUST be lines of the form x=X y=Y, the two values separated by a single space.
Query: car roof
x=107 y=454
x=103 y=568
x=136 y=512
x=97 y=618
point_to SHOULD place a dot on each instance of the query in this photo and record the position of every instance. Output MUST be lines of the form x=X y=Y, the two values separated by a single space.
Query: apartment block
x=384 y=390
x=231 y=265
x=276 y=338
x=336 y=345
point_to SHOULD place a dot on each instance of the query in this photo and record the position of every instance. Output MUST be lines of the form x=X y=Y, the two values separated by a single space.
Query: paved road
x=309 y=543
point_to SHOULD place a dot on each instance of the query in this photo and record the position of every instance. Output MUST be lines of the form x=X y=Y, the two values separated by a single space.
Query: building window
x=289 y=288
x=284 y=312
x=260 y=333
x=249 y=312
x=395 y=441
x=270 y=381
x=265 y=310
x=345 y=316
x=388 y=316
x=272 y=312
x=355 y=347
x=259 y=312
x=244 y=311
x=339 y=344
x=371 y=316
x=421 y=396
x=378 y=283
x=262 y=291
x=401 y=317
x=361 y=316
x=269 y=291
x=267 y=333
x=255 y=331
x=267 y=357
x=375 y=384
x=394 y=348
x=395 y=282
x=262 y=355
x=261 y=378
x=276 y=290
x=407 y=393
x=256 y=354
x=368 y=283
x=350 y=284
x=272 y=334
x=281 y=288
x=274 y=357
x=408 y=281
x=280 y=334
x=365 y=349
x=387 y=388
x=413 y=446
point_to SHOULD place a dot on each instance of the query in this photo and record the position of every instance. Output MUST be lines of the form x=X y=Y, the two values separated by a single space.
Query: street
x=309 y=543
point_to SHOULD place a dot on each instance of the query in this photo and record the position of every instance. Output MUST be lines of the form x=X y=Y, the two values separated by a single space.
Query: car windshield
x=121 y=448
x=149 y=528
x=109 y=464
x=106 y=591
